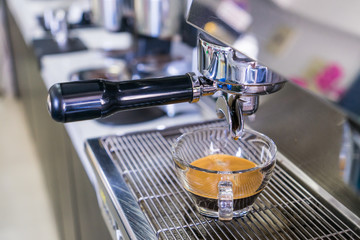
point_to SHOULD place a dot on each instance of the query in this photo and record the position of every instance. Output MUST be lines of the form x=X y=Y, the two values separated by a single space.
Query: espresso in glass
x=223 y=175
x=203 y=186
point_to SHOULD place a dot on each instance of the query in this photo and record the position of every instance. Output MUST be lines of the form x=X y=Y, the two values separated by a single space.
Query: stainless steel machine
x=237 y=56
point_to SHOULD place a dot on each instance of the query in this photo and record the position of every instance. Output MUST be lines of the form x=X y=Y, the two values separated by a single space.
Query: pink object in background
x=328 y=81
x=329 y=77
x=324 y=79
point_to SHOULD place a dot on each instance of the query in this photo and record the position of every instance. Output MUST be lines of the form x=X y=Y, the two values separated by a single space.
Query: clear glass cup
x=224 y=176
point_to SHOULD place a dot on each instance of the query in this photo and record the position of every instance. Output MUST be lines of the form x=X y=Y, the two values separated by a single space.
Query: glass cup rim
x=272 y=149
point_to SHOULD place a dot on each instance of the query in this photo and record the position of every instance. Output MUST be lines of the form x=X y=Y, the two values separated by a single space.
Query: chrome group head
x=241 y=79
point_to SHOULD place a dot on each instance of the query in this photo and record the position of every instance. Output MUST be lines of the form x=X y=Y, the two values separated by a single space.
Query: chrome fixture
x=153 y=18
x=241 y=79
x=56 y=22
x=107 y=13
x=156 y=18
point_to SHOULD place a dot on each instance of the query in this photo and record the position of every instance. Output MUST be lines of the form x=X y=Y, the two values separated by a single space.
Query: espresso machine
x=307 y=198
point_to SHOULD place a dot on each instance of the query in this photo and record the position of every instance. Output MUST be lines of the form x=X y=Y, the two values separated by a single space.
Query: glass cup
x=224 y=176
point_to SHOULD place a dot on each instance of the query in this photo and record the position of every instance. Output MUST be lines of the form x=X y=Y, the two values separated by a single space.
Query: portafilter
x=240 y=79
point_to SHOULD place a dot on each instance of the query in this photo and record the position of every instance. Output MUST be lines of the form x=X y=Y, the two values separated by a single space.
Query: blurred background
x=44 y=171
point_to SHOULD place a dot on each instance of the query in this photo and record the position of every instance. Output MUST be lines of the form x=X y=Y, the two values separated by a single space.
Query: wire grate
x=284 y=210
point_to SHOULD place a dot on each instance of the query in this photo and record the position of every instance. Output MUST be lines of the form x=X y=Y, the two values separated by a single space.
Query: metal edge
x=116 y=195
x=310 y=183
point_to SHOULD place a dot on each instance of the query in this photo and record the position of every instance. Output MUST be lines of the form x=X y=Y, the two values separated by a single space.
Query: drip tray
x=145 y=200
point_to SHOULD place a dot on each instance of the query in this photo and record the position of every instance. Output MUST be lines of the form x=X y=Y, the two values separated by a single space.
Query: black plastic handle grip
x=83 y=100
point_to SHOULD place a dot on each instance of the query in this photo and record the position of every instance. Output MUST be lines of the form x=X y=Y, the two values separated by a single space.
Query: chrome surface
x=107 y=13
x=201 y=87
x=56 y=21
x=230 y=109
x=112 y=14
x=240 y=78
x=234 y=72
x=284 y=35
x=112 y=192
x=249 y=104
x=154 y=18
x=233 y=108
x=140 y=165
x=196 y=86
x=159 y=19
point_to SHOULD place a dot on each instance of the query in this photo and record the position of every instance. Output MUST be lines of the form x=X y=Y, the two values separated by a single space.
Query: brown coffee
x=203 y=186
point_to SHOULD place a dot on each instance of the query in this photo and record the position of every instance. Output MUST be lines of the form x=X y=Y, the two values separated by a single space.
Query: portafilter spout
x=241 y=80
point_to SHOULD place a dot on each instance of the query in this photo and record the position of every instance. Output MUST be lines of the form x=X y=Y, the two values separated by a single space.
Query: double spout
x=241 y=80
x=233 y=108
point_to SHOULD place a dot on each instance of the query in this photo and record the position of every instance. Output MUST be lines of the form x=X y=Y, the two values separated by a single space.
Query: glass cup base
x=214 y=214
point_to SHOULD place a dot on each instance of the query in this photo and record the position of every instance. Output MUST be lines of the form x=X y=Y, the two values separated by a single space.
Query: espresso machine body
x=242 y=59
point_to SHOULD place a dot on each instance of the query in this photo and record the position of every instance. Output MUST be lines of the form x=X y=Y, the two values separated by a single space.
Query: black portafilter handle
x=84 y=100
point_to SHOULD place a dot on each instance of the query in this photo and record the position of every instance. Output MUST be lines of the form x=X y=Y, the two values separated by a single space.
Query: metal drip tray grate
x=284 y=210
